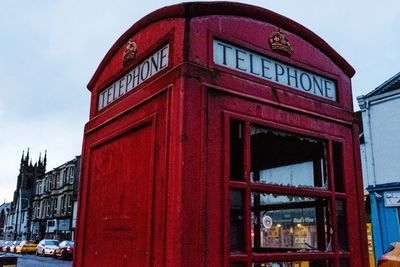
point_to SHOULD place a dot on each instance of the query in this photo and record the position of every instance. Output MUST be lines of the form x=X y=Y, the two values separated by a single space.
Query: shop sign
x=140 y=73
x=305 y=220
x=255 y=64
x=392 y=198
x=267 y=222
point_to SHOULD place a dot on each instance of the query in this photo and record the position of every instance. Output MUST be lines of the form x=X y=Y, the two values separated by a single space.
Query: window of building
x=69 y=203
x=40 y=187
x=59 y=182
x=51 y=207
x=42 y=214
x=71 y=174
x=62 y=204
x=55 y=208
x=65 y=175
x=48 y=207
x=55 y=181
x=50 y=182
x=283 y=200
x=34 y=210
x=38 y=210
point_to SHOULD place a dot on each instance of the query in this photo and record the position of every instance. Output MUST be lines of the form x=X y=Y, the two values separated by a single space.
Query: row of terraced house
x=44 y=203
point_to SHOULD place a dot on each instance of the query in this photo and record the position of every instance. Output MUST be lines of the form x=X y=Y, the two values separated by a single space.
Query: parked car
x=14 y=245
x=65 y=250
x=26 y=247
x=391 y=257
x=6 y=246
x=46 y=247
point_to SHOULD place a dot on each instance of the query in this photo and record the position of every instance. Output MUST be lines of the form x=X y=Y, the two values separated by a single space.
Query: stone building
x=4 y=210
x=54 y=202
x=18 y=223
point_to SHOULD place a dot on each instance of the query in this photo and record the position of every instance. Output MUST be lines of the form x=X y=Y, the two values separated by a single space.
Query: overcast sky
x=50 y=49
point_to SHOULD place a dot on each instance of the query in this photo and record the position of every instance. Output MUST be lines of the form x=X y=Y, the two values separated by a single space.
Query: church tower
x=22 y=202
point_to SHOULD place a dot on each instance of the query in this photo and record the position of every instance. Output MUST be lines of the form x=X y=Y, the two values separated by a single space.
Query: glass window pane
x=282 y=223
x=236 y=150
x=237 y=221
x=287 y=159
x=341 y=224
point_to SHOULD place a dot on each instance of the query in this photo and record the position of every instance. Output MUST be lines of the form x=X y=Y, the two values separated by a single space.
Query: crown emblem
x=280 y=43
x=130 y=52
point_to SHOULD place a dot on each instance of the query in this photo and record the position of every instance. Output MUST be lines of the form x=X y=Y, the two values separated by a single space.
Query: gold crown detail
x=280 y=43
x=130 y=52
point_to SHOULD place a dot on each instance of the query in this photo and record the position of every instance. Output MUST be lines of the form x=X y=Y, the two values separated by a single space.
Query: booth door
x=125 y=163
x=288 y=185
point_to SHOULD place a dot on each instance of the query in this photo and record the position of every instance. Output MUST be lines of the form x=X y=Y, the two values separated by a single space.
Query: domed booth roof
x=191 y=10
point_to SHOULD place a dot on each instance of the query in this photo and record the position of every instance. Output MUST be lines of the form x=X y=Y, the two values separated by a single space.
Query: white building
x=381 y=120
x=380 y=155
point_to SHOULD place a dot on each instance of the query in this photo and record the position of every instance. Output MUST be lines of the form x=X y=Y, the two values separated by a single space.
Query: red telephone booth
x=221 y=134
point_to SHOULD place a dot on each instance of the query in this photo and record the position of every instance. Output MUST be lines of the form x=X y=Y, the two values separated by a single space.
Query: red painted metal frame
x=189 y=105
x=248 y=186
x=266 y=52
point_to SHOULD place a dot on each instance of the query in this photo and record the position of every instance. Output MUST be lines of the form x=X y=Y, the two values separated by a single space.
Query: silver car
x=47 y=247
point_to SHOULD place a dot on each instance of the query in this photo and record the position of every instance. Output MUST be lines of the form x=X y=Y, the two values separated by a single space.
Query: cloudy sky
x=49 y=50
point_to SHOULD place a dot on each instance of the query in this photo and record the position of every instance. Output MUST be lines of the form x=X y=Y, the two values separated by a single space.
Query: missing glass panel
x=338 y=166
x=287 y=159
x=344 y=262
x=236 y=150
x=237 y=221
x=282 y=223
x=341 y=224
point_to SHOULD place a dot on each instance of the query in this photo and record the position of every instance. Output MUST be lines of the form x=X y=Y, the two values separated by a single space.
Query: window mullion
x=247 y=170
x=331 y=179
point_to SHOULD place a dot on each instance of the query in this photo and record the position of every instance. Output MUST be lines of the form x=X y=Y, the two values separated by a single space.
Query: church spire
x=22 y=158
x=27 y=156
x=45 y=159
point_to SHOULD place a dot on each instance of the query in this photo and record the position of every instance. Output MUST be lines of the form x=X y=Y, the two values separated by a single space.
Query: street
x=36 y=261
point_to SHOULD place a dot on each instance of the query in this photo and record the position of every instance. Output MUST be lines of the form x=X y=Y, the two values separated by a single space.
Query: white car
x=47 y=247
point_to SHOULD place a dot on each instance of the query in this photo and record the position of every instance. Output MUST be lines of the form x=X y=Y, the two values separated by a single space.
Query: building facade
x=44 y=203
x=19 y=217
x=380 y=154
x=4 y=210
x=55 y=201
